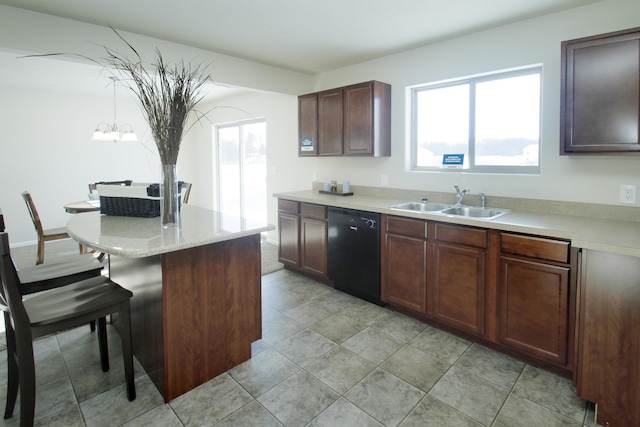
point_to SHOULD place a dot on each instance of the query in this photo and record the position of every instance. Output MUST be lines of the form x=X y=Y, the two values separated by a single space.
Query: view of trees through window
x=494 y=121
x=242 y=169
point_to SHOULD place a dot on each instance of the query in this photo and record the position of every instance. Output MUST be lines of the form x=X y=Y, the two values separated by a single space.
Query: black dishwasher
x=354 y=253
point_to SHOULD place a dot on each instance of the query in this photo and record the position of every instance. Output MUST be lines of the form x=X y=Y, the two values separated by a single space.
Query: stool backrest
x=186 y=190
x=10 y=293
x=33 y=212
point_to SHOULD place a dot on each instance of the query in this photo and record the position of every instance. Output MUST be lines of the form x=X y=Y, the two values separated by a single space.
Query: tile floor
x=326 y=359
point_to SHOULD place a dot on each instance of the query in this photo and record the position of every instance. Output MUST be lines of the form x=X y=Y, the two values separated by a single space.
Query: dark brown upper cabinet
x=600 y=89
x=308 y=124
x=353 y=120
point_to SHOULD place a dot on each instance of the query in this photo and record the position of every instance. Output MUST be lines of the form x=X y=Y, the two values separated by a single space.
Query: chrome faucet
x=460 y=195
x=483 y=200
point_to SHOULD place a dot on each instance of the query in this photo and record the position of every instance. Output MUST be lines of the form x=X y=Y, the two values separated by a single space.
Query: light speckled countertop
x=140 y=237
x=607 y=235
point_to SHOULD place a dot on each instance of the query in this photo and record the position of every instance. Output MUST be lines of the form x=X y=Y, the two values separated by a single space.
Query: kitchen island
x=196 y=305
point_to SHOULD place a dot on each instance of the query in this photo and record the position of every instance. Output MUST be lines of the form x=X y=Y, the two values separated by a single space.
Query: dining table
x=82 y=206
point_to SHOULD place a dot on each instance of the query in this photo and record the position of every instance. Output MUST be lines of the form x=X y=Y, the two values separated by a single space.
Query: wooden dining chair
x=43 y=235
x=50 y=312
x=60 y=272
x=186 y=190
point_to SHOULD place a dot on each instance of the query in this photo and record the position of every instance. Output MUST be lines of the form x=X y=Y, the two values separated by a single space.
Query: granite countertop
x=614 y=236
x=140 y=237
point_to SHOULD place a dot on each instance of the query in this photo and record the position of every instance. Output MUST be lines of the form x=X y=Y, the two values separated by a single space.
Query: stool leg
x=102 y=342
x=27 y=375
x=127 y=349
x=12 y=368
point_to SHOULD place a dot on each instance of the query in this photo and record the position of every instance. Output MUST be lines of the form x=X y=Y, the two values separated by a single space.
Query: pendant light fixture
x=111 y=132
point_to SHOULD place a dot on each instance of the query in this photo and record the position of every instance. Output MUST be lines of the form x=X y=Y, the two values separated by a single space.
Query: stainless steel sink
x=474 y=212
x=451 y=210
x=420 y=206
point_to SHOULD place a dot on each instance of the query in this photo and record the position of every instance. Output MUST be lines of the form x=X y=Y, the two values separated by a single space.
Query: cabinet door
x=533 y=308
x=289 y=249
x=330 y=122
x=367 y=116
x=308 y=125
x=459 y=287
x=601 y=94
x=358 y=119
x=608 y=344
x=313 y=241
x=404 y=272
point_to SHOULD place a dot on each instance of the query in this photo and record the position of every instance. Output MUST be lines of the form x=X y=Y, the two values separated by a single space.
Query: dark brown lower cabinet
x=289 y=229
x=512 y=291
x=608 y=350
x=534 y=308
x=313 y=246
x=404 y=263
x=536 y=297
x=458 y=287
x=303 y=237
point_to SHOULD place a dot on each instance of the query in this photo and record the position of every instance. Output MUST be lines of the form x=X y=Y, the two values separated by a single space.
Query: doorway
x=241 y=149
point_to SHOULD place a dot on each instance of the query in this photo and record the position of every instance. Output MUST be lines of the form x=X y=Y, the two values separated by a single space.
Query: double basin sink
x=451 y=210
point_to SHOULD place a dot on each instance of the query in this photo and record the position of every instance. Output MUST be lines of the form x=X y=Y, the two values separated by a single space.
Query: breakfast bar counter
x=196 y=305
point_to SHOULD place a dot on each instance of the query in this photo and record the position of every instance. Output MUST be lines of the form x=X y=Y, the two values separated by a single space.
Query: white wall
x=593 y=179
x=47 y=150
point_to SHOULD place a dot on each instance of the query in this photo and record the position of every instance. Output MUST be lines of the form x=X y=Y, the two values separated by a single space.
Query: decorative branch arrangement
x=168 y=95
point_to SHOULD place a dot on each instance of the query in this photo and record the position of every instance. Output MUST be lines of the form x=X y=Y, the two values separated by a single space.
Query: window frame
x=472 y=81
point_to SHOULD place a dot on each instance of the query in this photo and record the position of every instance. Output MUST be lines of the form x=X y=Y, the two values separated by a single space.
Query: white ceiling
x=310 y=36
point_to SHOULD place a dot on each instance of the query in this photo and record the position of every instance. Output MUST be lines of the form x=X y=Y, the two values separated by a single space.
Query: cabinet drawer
x=461 y=235
x=406 y=226
x=313 y=211
x=535 y=247
x=288 y=206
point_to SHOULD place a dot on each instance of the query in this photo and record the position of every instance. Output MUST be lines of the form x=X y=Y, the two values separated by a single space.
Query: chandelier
x=113 y=132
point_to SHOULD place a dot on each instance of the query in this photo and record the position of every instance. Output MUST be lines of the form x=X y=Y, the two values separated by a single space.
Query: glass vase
x=169 y=197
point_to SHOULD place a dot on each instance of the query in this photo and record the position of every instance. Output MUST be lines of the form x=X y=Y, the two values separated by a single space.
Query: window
x=492 y=120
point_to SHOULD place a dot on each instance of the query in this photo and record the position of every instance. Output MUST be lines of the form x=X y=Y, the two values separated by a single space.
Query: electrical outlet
x=384 y=180
x=628 y=194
